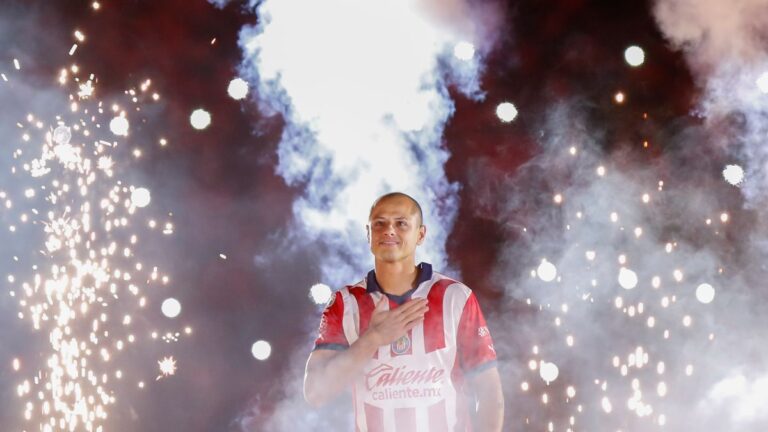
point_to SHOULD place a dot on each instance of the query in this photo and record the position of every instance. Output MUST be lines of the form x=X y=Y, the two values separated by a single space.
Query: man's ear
x=422 y=234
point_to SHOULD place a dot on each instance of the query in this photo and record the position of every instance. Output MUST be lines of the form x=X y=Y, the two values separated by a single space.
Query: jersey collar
x=425 y=274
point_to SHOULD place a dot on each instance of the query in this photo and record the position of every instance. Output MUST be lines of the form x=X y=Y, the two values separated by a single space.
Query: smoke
x=725 y=45
x=631 y=239
x=363 y=88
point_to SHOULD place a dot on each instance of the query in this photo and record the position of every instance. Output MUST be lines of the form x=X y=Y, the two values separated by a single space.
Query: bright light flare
x=634 y=55
x=261 y=350
x=200 y=119
x=320 y=293
x=237 y=89
x=506 y=112
x=171 y=307
x=464 y=51
x=733 y=174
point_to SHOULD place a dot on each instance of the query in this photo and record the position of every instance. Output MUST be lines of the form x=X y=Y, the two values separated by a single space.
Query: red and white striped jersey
x=416 y=383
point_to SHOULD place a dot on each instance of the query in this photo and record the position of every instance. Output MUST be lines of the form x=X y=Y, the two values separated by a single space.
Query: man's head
x=395 y=227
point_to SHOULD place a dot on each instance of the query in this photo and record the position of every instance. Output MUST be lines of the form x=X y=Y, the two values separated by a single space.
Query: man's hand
x=329 y=372
x=388 y=325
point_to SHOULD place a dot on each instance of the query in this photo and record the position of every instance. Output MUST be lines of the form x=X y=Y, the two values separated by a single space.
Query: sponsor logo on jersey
x=385 y=375
x=482 y=331
x=401 y=345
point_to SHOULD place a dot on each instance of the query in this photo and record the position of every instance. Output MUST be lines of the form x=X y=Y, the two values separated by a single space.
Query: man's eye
x=402 y=223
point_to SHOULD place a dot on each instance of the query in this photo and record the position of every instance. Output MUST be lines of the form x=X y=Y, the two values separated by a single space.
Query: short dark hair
x=398 y=195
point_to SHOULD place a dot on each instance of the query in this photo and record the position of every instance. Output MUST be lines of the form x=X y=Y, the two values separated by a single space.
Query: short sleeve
x=331 y=332
x=475 y=345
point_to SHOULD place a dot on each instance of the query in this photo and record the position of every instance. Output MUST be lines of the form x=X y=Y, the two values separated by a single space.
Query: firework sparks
x=74 y=200
x=167 y=367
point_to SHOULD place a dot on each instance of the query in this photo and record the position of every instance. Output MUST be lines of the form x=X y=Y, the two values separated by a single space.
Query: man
x=412 y=343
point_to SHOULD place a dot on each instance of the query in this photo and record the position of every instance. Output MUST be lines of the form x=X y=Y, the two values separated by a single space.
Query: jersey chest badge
x=402 y=345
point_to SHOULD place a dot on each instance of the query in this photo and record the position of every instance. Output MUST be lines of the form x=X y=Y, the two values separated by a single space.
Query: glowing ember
x=464 y=51
x=705 y=293
x=320 y=293
x=634 y=55
x=619 y=97
x=546 y=271
x=237 y=89
x=200 y=119
x=506 y=112
x=171 y=307
x=733 y=174
x=261 y=350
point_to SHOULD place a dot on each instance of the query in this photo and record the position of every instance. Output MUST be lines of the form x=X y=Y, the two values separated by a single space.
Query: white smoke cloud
x=363 y=89
x=726 y=45
x=651 y=350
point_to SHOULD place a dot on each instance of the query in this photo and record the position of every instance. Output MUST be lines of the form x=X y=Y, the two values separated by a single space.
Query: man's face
x=395 y=230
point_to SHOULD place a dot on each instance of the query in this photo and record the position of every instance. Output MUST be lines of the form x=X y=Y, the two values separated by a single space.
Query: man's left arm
x=486 y=386
x=477 y=358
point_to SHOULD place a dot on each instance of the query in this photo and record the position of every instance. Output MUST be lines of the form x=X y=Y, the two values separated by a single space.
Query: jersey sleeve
x=331 y=332
x=475 y=345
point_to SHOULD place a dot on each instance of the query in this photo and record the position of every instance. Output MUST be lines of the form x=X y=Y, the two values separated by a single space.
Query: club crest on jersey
x=401 y=345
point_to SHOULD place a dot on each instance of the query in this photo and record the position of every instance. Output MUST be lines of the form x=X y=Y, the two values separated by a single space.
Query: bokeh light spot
x=546 y=271
x=140 y=197
x=320 y=293
x=548 y=372
x=733 y=174
x=506 y=112
x=705 y=293
x=238 y=89
x=119 y=126
x=627 y=278
x=634 y=55
x=261 y=350
x=171 y=307
x=200 y=119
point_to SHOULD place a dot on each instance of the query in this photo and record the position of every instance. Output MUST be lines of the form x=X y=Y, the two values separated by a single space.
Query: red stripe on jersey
x=365 y=307
x=434 y=336
x=437 y=417
x=374 y=418
x=405 y=419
